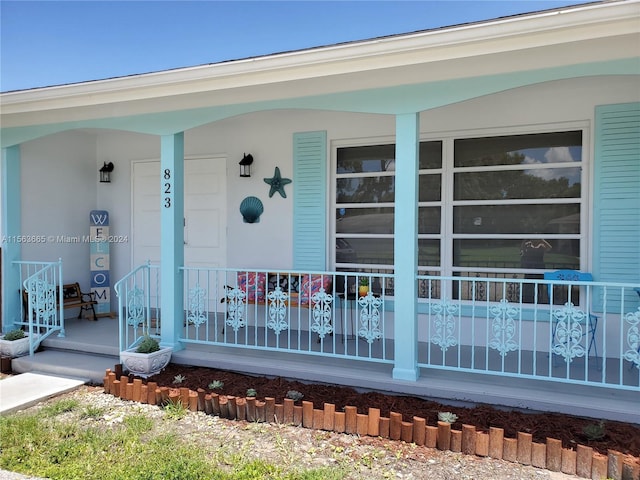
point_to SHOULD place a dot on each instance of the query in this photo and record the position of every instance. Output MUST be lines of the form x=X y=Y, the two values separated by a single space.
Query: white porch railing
x=316 y=313
x=564 y=331
x=138 y=305
x=42 y=314
x=572 y=332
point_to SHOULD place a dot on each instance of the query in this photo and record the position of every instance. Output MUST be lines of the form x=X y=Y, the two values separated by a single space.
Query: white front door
x=204 y=208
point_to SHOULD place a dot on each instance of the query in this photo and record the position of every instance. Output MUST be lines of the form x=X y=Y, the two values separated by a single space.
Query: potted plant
x=363 y=288
x=14 y=343
x=146 y=357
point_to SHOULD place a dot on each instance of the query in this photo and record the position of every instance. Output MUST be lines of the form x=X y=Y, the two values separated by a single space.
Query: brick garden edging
x=582 y=461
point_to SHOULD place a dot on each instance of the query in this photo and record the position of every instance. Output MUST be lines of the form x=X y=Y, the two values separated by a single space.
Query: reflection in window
x=517 y=184
x=506 y=219
x=364 y=220
x=530 y=149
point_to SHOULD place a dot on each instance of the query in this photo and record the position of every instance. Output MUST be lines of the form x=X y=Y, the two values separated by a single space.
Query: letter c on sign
x=99 y=263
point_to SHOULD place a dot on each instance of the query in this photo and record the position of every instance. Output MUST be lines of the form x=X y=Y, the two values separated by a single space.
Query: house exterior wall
x=59 y=181
x=267 y=136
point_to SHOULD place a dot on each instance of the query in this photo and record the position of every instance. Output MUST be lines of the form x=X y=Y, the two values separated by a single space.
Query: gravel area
x=293 y=447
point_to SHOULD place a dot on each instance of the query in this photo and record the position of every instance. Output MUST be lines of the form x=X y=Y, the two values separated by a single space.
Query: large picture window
x=502 y=206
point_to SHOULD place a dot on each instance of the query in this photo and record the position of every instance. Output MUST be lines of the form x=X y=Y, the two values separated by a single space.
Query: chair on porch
x=567 y=333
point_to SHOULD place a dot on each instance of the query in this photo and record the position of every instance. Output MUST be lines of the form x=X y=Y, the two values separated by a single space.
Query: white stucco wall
x=72 y=160
x=59 y=181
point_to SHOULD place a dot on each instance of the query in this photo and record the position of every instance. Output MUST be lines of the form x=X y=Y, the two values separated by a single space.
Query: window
x=510 y=194
x=503 y=206
x=364 y=199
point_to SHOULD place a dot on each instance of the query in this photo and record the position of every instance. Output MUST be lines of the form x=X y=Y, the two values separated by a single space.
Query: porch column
x=171 y=238
x=11 y=227
x=406 y=248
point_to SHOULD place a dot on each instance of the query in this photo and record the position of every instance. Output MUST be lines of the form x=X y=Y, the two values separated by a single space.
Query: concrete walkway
x=27 y=389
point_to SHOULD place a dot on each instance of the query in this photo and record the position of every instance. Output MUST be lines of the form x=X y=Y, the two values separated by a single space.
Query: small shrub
x=148 y=345
x=294 y=395
x=16 y=334
x=251 y=392
x=216 y=385
x=447 y=417
x=179 y=379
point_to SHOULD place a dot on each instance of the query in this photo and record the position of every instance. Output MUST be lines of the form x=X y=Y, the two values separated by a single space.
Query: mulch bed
x=621 y=437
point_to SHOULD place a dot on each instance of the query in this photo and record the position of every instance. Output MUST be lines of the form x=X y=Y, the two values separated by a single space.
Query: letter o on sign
x=99 y=279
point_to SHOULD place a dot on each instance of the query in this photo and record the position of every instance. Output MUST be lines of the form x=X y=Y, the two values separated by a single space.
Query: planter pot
x=145 y=364
x=363 y=290
x=14 y=348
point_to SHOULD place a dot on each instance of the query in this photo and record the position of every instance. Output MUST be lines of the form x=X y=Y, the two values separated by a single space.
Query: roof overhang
x=580 y=35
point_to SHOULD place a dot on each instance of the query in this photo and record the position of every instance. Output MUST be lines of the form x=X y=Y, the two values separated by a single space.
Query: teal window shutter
x=616 y=229
x=310 y=201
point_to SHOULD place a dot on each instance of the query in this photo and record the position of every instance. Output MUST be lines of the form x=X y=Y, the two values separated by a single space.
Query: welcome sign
x=99 y=261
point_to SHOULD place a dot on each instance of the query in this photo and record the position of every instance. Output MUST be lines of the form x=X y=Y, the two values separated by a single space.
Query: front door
x=205 y=212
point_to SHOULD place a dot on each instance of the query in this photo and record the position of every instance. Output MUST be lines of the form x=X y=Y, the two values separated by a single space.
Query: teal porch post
x=171 y=238
x=406 y=248
x=11 y=227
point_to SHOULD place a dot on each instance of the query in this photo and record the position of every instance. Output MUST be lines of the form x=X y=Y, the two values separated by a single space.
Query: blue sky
x=44 y=43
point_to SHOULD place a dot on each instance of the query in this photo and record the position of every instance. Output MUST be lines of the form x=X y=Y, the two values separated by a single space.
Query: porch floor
x=99 y=340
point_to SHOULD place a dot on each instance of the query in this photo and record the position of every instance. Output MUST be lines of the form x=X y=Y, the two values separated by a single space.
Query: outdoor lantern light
x=245 y=165
x=105 y=172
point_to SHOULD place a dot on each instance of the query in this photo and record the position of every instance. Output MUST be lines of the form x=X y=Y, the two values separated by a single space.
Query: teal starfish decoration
x=277 y=183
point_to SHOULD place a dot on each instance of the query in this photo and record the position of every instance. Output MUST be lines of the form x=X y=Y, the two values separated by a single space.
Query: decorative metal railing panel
x=569 y=331
x=139 y=311
x=277 y=307
x=444 y=324
x=41 y=314
x=370 y=317
x=322 y=308
x=503 y=327
x=632 y=353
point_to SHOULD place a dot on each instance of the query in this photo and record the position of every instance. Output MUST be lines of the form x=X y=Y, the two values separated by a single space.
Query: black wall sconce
x=245 y=165
x=105 y=172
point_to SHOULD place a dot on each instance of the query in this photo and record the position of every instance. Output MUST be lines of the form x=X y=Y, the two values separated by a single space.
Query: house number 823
x=167 y=188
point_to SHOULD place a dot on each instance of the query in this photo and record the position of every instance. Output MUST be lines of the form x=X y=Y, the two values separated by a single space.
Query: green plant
x=364 y=282
x=216 y=385
x=175 y=410
x=447 y=417
x=294 y=395
x=148 y=345
x=251 y=392
x=16 y=334
x=179 y=379
x=594 y=431
x=60 y=406
x=91 y=411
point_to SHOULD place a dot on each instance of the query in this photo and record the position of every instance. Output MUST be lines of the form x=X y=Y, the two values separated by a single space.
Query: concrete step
x=90 y=368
